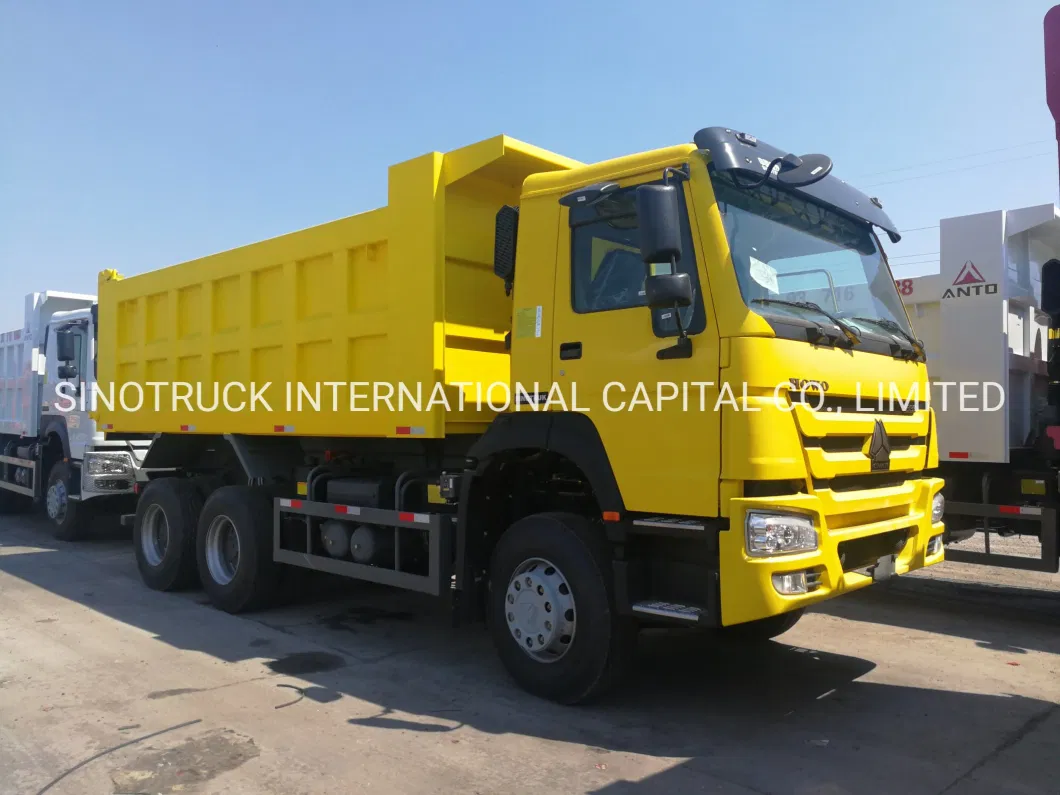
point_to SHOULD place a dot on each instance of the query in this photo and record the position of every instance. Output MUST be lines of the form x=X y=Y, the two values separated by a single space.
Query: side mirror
x=65 y=351
x=659 y=218
x=668 y=290
x=67 y=371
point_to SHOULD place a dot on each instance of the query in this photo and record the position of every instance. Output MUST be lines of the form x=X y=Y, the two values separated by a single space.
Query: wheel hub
x=154 y=536
x=539 y=607
x=57 y=501
x=222 y=550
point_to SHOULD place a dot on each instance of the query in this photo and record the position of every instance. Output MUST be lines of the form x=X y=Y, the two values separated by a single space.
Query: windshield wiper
x=852 y=336
x=895 y=328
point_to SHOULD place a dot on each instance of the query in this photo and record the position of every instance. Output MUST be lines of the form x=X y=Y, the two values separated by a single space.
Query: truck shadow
x=1002 y=618
x=774 y=718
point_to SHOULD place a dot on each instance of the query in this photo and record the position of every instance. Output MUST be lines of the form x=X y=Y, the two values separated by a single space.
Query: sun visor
x=748 y=156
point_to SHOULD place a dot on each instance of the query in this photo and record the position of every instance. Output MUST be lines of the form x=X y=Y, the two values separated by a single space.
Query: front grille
x=880 y=480
x=860 y=553
x=836 y=444
x=866 y=404
x=845 y=521
x=105 y=483
x=855 y=444
x=773 y=488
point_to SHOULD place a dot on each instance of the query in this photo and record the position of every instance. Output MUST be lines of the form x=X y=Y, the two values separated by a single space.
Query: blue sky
x=137 y=135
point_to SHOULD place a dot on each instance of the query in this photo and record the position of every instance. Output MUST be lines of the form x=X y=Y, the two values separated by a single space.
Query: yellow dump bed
x=403 y=296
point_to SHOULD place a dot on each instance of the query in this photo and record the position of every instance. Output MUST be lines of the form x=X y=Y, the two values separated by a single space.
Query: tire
x=69 y=518
x=164 y=534
x=239 y=519
x=762 y=630
x=569 y=552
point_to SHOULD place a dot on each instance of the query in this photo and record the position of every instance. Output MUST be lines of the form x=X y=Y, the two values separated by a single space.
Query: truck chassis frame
x=23 y=463
x=439 y=527
x=1046 y=517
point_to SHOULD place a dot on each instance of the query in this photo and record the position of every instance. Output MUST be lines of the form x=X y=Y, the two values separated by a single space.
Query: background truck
x=50 y=448
x=992 y=315
x=984 y=318
x=571 y=515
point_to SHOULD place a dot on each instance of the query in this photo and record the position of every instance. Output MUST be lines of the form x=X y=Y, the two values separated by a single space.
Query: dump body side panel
x=19 y=403
x=312 y=306
x=349 y=328
x=22 y=361
x=981 y=323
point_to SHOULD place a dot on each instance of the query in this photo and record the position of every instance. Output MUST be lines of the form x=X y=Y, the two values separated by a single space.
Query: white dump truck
x=51 y=451
x=985 y=322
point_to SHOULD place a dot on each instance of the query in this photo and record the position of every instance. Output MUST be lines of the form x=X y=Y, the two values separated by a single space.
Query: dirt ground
x=946 y=682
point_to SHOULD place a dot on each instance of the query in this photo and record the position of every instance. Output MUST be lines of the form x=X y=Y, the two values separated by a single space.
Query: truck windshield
x=789 y=249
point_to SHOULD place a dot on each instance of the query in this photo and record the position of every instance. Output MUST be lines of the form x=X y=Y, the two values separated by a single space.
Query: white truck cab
x=51 y=451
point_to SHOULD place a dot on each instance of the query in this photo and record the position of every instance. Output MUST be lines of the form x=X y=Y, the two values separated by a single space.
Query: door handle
x=570 y=350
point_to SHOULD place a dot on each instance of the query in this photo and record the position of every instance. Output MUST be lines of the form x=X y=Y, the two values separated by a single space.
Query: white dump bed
x=21 y=362
x=981 y=323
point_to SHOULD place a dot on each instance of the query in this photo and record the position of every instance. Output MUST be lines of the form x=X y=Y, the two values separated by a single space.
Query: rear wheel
x=69 y=517
x=763 y=629
x=234 y=548
x=552 y=609
x=164 y=534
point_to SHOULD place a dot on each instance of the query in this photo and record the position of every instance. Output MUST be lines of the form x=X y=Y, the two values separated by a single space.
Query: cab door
x=656 y=417
x=75 y=374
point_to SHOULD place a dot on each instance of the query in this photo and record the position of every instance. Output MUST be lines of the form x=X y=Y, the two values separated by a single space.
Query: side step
x=677 y=612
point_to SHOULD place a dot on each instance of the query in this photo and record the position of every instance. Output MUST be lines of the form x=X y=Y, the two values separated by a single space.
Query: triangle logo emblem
x=969 y=275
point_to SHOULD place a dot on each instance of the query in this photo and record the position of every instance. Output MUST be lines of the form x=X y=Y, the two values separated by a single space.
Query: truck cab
x=771 y=379
x=54 y=454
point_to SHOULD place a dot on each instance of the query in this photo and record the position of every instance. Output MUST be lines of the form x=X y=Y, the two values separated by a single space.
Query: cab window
x=607 y=272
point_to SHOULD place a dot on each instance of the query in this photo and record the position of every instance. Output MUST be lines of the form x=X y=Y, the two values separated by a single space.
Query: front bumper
x=108 y=473
x=853 y=527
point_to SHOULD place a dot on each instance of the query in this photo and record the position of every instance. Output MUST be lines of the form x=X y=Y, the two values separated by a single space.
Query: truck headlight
x=112 y=464
x=779 y=534
x=938 y=507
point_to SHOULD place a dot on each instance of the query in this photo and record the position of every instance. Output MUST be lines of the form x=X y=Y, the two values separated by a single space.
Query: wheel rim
x=57 y=499
x=539 y=608
x=154 y=535
x=222 y=550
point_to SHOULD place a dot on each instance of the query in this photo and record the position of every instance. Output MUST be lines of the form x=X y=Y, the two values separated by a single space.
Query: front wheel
x=69 y=517
x=552 y=611
x=234 y=548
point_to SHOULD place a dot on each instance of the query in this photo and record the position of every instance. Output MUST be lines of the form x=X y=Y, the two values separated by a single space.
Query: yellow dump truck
x=574 y=399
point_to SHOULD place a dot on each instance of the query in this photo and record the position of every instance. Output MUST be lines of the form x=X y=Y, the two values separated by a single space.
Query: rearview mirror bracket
x=682 y=349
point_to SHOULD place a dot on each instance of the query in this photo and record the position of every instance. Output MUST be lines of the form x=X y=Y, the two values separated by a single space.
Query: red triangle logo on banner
x=969 y=275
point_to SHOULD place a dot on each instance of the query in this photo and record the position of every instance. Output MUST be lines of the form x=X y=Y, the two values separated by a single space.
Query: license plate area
x=863 y=553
